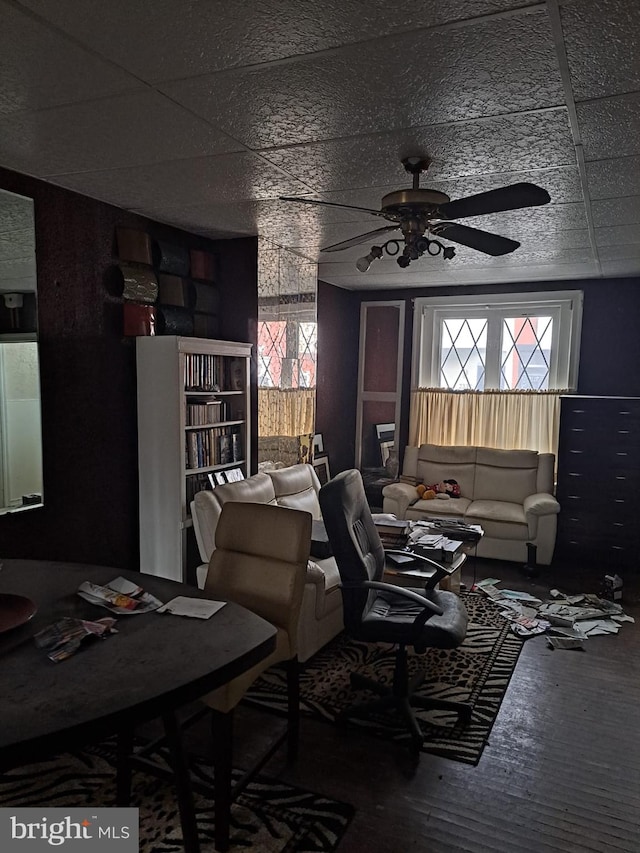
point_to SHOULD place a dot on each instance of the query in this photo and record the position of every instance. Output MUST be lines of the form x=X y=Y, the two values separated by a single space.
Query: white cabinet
x=193 y=421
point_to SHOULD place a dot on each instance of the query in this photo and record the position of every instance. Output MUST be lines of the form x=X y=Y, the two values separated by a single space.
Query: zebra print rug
x=477 y=672
x=269 y=816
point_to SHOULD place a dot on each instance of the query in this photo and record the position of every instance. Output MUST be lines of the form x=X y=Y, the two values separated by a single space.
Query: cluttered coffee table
x=426 y=553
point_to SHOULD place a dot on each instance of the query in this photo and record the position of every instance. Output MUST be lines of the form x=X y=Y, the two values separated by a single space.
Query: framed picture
x=318 y=444
x=385 y=432
x=233 y=475
x=304 y=447
x=217 y=478
x=321 y=467
x=385 y=448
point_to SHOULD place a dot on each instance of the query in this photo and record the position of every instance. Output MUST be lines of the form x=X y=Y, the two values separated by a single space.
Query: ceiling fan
x=417 y=212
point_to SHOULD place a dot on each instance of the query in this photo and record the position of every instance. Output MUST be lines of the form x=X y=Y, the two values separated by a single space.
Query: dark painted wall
x=337 y=373
x=88 y=378
x=609 y=352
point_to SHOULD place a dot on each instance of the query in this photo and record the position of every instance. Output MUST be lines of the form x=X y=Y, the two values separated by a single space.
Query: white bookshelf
x=174 y=456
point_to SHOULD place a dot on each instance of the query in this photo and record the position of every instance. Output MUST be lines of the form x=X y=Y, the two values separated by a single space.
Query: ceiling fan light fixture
x=363 y=264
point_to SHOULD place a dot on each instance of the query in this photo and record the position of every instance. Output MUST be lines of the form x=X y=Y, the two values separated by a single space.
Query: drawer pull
x=576 y=451
x=622 y=453
x=577 y=429
x=627 y=412
x=619 y=500
x=571 y=474
x=621 y=477
x=617 y=548
x=624 y=432
x=618 y=524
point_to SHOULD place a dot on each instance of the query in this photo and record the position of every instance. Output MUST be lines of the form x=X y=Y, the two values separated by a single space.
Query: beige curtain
x=508 y=420
x=286 y=411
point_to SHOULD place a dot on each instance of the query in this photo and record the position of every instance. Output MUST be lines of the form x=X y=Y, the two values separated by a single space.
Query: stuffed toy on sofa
x=443 y=490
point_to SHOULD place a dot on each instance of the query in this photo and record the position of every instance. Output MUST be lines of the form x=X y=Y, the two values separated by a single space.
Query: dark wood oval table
x=153 y=666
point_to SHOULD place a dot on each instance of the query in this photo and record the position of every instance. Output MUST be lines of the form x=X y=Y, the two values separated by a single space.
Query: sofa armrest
x=541 y=504
x=314 y=574
x=397 y=497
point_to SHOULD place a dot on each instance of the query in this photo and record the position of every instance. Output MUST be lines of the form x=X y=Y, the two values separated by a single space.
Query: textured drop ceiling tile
x=614 y=178
x=562 y=184
x=184 y=182
x=170 y=39
x=619 y=253
x=601 y=123
x=533 y=223
x=435 y=277
x=601 y=39
x=41 y=68
x=616 y=211
x=618 y=235
x=481 y=70
x=501 y=144
x=125 y=130
x=621 y=267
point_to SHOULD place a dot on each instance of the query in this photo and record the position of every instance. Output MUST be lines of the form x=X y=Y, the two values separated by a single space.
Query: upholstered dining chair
x=375 y=611
x=260 y=563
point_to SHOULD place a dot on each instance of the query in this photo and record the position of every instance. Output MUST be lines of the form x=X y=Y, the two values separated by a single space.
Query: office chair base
x=403 y=701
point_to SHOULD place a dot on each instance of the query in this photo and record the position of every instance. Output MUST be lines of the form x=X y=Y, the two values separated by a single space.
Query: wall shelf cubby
x=176 y=284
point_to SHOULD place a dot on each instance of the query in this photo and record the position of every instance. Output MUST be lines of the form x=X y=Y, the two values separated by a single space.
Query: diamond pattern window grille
x=526 y=353
x=287 y=354
x=272 y=348
x=463 y=353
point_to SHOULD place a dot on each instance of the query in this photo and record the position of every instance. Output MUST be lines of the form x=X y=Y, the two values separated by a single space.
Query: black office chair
x=381 y=612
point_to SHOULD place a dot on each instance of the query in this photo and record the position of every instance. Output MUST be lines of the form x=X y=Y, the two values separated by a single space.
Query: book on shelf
x=236 y=447
x=226 y=449
x=205 y=412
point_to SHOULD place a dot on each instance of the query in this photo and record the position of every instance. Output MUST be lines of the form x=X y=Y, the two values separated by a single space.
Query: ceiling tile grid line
x=558 y=36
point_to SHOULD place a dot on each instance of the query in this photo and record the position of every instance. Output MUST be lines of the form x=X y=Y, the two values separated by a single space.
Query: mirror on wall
x=20 y=422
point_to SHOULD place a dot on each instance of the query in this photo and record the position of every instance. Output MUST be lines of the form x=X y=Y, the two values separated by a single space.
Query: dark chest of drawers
x=599 y=481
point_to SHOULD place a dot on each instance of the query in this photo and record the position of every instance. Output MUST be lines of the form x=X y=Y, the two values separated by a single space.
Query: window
x=523 y=342
x=286 y=354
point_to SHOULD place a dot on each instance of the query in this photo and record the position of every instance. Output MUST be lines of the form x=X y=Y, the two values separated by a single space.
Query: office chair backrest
x=354 y=541
x=260 y=562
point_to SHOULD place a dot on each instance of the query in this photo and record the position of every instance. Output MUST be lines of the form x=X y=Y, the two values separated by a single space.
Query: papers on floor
x=567 y=620
x=119 y=596
x=199 y=608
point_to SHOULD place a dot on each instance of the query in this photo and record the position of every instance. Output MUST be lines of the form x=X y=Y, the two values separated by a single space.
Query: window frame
x=564 y=306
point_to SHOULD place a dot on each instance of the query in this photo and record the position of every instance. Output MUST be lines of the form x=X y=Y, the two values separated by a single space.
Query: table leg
x=180 y=768
x=124 y=751
x=222 y=736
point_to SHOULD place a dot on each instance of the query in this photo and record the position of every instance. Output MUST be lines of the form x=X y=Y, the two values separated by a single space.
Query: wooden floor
x=561 y=771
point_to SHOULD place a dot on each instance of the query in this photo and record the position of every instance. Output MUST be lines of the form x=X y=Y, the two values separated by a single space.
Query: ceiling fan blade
x=347 y=244
x=512 y=197
x=483 y=241
x=333 y=204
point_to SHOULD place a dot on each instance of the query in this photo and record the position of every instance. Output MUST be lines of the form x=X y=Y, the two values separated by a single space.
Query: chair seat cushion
x=390 y=619
x=499 y=519
x=454 y=507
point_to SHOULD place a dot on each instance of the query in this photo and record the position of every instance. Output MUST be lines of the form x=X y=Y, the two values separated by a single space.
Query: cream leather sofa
x=296 y=487
x=509 y=493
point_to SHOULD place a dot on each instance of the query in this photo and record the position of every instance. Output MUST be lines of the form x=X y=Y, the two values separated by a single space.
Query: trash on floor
x=566 y=620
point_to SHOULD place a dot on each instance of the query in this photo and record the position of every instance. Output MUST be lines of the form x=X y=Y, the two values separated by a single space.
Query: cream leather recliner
x=296 y=487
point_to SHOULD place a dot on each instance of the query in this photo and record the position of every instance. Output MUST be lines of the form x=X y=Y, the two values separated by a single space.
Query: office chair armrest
x=409 y=552
x=405 y=593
